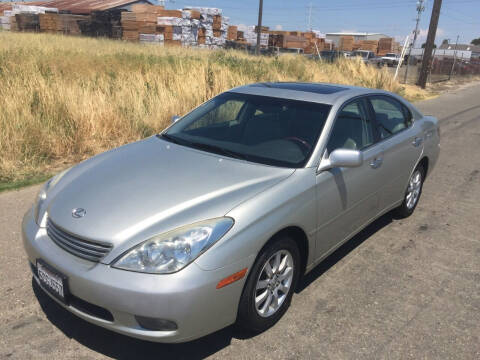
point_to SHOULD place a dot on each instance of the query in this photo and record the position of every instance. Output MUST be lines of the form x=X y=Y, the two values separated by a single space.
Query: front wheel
x=412 y=194
x=270 y=285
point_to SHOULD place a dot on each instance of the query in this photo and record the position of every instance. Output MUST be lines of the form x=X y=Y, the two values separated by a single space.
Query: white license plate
x=52 y=281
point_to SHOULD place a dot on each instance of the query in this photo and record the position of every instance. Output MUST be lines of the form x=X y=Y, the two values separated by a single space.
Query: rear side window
x=392 y=116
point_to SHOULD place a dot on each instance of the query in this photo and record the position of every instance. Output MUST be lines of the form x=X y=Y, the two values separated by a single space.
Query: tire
x=250 y=315
x=414 y=188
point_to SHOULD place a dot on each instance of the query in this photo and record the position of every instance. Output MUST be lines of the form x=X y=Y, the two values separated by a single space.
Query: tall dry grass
x=63 y=98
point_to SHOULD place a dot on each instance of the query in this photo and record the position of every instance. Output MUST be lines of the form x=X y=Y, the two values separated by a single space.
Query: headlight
x=42 y=196
x=172 y=251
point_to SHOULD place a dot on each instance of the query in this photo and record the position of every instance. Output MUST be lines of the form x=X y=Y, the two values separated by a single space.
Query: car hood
x=145 y=188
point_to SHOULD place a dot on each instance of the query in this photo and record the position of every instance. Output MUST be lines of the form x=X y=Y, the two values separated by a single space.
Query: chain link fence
x=442 y=69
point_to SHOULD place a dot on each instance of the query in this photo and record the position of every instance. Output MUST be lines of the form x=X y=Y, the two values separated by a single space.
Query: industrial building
x=357 y=36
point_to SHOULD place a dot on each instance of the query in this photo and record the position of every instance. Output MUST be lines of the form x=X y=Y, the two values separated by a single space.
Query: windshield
x=261 y=129
x=391 y=55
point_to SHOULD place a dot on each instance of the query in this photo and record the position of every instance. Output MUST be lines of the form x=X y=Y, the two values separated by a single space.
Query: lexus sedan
x=214 y=221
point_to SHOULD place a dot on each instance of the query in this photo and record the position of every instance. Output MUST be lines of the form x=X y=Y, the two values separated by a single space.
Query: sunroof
x=313 y=88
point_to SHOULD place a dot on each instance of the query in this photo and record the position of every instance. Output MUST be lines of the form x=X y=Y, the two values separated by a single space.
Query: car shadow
x=344 y=250
x=120 y=346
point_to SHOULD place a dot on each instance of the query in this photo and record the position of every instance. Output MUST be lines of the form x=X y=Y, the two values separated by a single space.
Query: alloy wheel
x=274 y=283
x=414 y=188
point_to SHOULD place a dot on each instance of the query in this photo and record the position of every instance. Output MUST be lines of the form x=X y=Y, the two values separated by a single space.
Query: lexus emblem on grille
x=78 y=213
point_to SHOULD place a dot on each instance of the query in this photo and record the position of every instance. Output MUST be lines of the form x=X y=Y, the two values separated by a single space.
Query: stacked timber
x=136 y=23
x=67 y=24
x=370 y=45
x=250 y=35
x=232 y=33
x=27 y=22
x=314 y=43
x=5 y=22
x=103 y=24
x=206 y=28
x=385 y=45
x=346 y=43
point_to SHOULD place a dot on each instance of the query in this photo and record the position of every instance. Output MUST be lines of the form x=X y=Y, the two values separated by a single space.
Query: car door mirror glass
x=342 y=158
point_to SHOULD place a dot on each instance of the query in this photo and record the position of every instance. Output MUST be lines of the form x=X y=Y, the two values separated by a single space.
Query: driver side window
x=352 y=128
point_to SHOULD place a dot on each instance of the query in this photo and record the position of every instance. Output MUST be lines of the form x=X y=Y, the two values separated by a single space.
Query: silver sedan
x=215 y=220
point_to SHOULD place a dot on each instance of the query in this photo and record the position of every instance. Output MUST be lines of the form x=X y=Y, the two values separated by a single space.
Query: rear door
x=402 y=144
x=348 y=198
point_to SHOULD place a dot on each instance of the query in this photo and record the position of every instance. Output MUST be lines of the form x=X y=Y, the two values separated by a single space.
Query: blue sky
x=391 y=17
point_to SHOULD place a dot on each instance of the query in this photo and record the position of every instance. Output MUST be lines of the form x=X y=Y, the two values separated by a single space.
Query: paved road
x=399 y=290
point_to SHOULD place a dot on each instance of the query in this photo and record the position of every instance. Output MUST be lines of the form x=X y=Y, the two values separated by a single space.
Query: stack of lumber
x=171 y=27
x=156 y=39
x=24 y=17
x=103 y=24
x=346 y=43
x=295 y=42
x=232 y=33
x=385 y=45
x=250 y=35
x=264 y=29
x=5 y=22
x=48 y=23
x=207 y=30
x=67 y=24
x=314 y=44
x=146 y=8
x=136 y=23
x=27 y=22
x=356 y=45
x=370 y=45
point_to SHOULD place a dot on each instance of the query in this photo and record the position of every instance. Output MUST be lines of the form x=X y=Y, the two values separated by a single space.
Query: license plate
x=53 y=281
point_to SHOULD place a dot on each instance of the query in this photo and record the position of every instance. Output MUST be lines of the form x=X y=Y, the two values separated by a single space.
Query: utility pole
x=259 y=27
x=420 y=9
x=454 y=59
x=427 y=54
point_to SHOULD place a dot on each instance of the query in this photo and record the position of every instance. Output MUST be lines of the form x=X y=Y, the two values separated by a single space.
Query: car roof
x=323 y=93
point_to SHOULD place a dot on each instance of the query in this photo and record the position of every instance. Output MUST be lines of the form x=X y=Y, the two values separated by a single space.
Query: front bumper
x=188 y=297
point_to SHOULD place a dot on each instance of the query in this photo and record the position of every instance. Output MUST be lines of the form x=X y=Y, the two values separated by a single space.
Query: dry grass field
x=63 y=99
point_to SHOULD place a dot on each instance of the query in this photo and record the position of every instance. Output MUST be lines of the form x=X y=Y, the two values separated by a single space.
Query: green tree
x=475 y=41
x=434 y=46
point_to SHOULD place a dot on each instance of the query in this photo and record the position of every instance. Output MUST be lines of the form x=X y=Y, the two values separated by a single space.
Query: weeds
x=63 y=99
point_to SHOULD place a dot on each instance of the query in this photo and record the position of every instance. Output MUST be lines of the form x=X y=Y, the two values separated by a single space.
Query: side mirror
x=175 y=118
x=342 y=158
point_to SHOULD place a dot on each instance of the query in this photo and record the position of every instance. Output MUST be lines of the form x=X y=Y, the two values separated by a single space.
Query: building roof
x=461 y=47
x=83 y=6
x=354 y=34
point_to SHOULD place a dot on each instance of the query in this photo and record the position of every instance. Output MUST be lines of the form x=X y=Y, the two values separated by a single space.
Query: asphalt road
x=398 y=290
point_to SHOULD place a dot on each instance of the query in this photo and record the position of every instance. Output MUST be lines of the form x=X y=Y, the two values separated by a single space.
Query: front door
x=349 y=197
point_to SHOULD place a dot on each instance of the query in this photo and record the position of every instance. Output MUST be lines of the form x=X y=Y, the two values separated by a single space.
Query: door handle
x=376 y=163
x=417 y=142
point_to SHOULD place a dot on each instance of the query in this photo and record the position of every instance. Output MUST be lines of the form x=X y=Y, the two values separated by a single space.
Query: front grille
x=85 y=249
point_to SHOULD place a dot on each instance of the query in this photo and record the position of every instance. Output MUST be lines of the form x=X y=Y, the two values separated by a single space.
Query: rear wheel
x=412 y=194
x=270 y=285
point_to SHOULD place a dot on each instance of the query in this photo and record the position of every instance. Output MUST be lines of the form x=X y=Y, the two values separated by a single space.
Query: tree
x=475 y=41
x=434 y=46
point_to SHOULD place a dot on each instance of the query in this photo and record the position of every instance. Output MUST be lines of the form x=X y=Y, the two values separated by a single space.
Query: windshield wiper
x=218 y=150
x=170 y=138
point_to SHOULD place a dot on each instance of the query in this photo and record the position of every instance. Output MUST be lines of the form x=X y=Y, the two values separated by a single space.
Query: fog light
x=156 y=324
